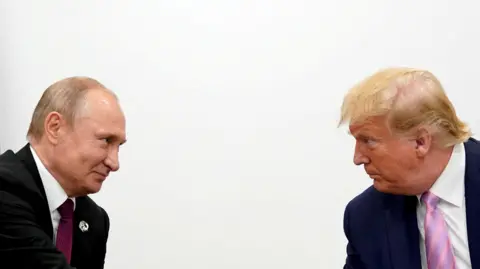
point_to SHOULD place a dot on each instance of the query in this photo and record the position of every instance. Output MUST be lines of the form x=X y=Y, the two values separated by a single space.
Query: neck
x=434 y=165
x=45 y=154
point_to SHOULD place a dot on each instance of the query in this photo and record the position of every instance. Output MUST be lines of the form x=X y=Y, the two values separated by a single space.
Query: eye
x=368 y=141
x=371 y=142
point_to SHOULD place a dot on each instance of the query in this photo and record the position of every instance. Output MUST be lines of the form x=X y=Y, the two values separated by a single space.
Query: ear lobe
x=53 y=126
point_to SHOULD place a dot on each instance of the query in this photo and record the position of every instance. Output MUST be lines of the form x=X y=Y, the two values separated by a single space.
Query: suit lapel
x=472 y=199
x=402 y=232
x=82 y=245
x=34 y=182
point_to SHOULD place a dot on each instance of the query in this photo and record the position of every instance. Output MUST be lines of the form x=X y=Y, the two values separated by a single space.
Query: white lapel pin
x=83 y=226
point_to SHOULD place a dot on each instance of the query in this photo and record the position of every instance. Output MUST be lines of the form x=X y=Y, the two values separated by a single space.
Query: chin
x=378 y=186
x=93 y=187
x=381 y=186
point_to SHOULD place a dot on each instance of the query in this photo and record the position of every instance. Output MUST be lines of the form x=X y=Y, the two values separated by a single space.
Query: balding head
x=405 y=128
x=67 y=97
x=77 y=129
x=408 y=99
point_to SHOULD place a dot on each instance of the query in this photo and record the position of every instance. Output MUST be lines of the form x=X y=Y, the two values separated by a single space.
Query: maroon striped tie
x=65 y=229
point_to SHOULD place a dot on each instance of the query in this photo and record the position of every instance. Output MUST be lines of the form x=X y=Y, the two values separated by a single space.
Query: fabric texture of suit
x=26 y=231
x=382 y=229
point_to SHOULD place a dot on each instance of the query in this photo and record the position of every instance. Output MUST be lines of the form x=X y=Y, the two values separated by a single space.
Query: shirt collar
x=450 y=185
x=56 y=196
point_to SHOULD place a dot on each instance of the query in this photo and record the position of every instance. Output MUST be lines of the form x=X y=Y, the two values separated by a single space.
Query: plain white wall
x=234 y=159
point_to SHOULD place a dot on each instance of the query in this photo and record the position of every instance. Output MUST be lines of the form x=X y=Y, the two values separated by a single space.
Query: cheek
x=93 y=156
x=396 y=165
x=386 y=161
x=100 y=156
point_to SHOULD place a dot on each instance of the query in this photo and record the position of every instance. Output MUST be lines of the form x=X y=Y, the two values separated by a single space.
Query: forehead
x=104 y=113
x=374 y=125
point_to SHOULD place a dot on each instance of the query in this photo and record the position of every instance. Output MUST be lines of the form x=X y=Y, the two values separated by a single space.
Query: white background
x=234 y=159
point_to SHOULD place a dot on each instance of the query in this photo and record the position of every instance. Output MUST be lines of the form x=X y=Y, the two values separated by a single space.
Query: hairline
x=80 y=110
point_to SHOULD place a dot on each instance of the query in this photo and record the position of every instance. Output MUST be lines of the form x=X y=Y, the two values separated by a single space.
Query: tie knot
x=430 y=199
x=66 y=209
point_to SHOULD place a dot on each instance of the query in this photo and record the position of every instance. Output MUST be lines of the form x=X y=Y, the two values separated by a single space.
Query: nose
x=359 y=158
x=112 y=160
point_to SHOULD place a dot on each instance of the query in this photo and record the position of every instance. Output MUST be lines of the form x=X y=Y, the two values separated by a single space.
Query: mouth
x=104 y=175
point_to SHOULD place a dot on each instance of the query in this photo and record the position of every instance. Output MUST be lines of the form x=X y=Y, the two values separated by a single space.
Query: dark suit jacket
x=382 y=229
x=26 y=232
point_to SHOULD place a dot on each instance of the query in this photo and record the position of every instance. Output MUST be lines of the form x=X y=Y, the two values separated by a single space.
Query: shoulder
x=366 y=211
x=90 y=206
x=472 y=149
x=11 y=166
x=16 y=179
x=363 y=219
x=365 y=208
x=367 y=200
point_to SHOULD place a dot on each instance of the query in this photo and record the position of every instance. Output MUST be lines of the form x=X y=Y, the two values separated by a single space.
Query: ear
x=423 y=141
x=54 y=127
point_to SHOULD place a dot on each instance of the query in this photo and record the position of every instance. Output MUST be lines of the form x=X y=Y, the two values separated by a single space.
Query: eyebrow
x=113 y=135
x=362 y=135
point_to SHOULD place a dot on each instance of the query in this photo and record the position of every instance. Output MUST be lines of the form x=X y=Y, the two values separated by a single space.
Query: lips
x=372 y=173
x=103 y=174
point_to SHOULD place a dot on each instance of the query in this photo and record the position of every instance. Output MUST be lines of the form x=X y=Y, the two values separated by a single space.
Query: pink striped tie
x=437 y=243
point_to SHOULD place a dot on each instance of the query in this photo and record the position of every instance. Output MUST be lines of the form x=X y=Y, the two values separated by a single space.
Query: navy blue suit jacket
x=382 y=229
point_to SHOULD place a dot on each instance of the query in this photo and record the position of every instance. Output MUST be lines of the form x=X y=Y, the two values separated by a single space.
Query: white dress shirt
x=56 y=196
x=450 y=188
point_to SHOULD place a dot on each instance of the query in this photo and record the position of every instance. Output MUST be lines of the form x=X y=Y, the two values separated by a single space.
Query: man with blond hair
x=423 y=210
x=47 y=220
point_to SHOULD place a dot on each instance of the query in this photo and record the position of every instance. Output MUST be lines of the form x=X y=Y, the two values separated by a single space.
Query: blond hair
x=66 y=97
x=410 y=98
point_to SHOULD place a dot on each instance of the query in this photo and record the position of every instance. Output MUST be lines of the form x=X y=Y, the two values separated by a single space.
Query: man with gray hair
x=47 y=219
x=423 y=210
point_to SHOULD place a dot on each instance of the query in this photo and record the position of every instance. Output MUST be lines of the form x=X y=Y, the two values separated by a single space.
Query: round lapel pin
x=83 y=226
